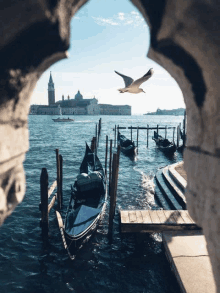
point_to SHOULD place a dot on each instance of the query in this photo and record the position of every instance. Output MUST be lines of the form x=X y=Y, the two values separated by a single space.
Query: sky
x=108 y=35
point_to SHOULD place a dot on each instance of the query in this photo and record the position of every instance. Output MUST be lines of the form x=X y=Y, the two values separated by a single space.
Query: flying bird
x=132 y=86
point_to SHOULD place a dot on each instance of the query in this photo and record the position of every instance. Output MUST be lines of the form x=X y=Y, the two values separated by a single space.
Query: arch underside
x=184 y=40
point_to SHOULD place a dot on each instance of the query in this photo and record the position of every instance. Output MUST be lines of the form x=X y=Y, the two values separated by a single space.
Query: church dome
x=78 y=96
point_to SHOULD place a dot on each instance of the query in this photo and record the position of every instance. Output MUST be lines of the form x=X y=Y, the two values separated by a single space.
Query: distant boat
x=164 y=144
x=63 y=120
x=127 y=146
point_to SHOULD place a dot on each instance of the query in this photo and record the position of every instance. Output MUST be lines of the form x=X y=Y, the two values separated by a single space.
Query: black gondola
x=127 y=146
x=164 y=144
x=87 y=203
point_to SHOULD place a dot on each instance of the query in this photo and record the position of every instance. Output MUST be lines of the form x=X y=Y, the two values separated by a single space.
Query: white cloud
x=121 y=15
x=104 y=21
x=122 y=19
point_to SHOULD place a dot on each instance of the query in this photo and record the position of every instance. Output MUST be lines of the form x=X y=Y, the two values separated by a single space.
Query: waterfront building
x=76 y=106
x=79 y=106
x=106 y=109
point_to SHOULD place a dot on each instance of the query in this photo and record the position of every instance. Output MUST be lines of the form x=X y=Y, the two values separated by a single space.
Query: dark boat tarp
x=80 y=219
x=90 y=162
x=124 y=142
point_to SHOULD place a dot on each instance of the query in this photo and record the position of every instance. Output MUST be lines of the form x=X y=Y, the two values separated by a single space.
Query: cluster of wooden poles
x=156 y=128
x=46 y=192
x=113 y=175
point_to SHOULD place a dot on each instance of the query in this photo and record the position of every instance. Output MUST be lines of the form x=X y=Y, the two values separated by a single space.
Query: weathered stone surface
x=185 y=41
x=34 y=35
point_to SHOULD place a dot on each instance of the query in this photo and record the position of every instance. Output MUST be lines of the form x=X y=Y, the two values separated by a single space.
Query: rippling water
x=127 y=265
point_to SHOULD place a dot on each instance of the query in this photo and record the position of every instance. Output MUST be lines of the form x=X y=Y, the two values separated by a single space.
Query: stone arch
x=184 y=40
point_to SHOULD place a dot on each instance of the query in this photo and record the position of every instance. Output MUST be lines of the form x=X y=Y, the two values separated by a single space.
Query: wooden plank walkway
x=141 y=221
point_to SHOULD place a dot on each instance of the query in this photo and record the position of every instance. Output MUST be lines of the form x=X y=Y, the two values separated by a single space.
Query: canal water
x=126 y=265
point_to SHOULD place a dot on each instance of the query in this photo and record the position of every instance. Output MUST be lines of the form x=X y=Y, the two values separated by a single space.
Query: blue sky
x=108 y=35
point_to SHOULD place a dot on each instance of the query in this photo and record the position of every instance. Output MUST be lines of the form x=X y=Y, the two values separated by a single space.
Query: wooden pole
x=131 y=132
x=166 y=131
x=174 y=128
x=137 y=138
x=147 y=134
x=44 y=202
x=115 y=136
x=110 y=168
x=58 y=179
x=96 y=135
x=184 y=129
x=113 y=195
x=157 y=128
x=61 y=179
x=177 y=136
x=106 y=154
x=99 y=126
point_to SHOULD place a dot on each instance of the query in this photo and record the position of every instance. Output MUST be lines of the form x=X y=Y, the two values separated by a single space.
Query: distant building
x=106 y=109
x=79 y=106
x=175 y=112
x=76 y=106
x=51 y=92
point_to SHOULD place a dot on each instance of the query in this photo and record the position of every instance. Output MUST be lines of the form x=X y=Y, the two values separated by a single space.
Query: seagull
x=132 y=86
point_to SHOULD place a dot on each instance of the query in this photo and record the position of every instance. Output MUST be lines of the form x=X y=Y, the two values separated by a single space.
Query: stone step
x=167 y=192
x=174 y=187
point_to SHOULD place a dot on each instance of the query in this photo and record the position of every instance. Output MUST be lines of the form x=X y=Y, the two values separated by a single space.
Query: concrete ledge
x=182 y=182
x=189 y=259
x=173 y=185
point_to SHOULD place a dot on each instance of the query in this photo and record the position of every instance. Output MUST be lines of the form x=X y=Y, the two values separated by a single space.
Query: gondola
x=164 y=144
x=127 y=146
x=87 y=203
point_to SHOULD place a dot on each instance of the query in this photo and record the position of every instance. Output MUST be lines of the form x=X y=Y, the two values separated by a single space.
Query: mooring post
x=137 y=137
x=44 y=202
x=93 y=144
x=184 y=129
x=174 y=133
x=177 y=136
x=96 y=135
x=61 y=179
x=113 y=195
x=115 y=136
x=106 y=154
x=110 y=168
x=147 y=134
x=157 y=128
x=58 y=179
x=131 y=132
x=166 y=131
x=99 y=126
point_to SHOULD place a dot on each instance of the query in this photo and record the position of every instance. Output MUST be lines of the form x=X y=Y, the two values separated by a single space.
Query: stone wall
x=34 y=35
x=184 y=40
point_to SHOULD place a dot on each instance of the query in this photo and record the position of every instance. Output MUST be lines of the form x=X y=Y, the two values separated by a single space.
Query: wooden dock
x=142 y=221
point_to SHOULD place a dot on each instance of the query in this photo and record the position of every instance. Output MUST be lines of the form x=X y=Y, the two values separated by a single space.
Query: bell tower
x=51 y=91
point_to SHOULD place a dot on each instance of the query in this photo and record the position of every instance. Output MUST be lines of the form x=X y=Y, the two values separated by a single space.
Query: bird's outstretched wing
x=128 y=80
x=144 y=78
